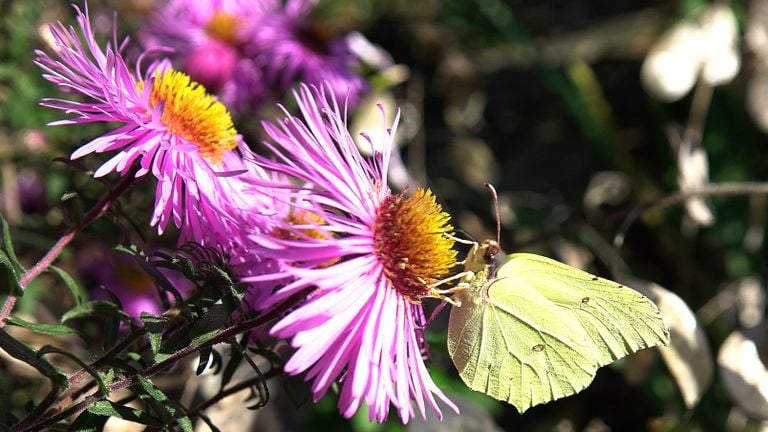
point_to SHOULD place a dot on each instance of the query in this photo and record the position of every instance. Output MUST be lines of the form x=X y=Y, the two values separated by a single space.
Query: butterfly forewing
x=618 y=320
x=539 y=330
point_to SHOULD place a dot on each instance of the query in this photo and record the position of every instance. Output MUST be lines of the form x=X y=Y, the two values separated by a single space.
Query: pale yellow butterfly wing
x=539 y=329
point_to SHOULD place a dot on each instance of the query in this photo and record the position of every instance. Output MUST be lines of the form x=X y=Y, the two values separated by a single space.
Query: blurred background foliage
x=543 y=99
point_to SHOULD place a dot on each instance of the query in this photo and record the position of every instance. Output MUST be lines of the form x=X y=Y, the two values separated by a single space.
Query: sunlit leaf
x=111 y=409
x=692 y=174
x=165 y=407
x=606 y=187
x=672 y=65
x=744 y=372
x=688 y=355
x=720 y=42
x=750 y=301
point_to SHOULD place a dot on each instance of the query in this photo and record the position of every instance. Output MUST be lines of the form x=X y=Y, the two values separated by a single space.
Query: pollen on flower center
x=191 y=113
x=303 y=218
x=223 y=27
x=410 y=242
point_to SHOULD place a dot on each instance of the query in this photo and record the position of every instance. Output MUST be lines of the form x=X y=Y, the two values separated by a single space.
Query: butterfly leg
x=466 y=275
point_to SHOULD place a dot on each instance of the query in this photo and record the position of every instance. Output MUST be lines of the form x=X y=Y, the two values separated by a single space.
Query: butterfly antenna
x=495 y=198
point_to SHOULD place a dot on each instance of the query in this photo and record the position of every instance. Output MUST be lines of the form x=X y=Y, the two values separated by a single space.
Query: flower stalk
x=97 y=211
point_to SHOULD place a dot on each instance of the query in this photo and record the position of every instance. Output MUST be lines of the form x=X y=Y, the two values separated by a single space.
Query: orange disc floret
x=193 y=114
x=410 y=240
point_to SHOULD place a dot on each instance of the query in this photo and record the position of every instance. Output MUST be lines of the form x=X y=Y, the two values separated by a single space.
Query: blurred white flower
x=705 y=48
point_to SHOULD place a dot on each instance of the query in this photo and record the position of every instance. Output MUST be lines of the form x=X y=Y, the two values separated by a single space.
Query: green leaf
x=205 y=356
x=95 y=307
x=74 y=288
x=108 y=408
x=150 y=389
x=100 y=381
x=13 y=277
x=185 y=423
x=235 y=359
x=260 y=385
x=26 y=354
x=155 y=326
x=214 y=319
x=88 y=422
x=8 y=246
x=47 y=329
x=163 y=404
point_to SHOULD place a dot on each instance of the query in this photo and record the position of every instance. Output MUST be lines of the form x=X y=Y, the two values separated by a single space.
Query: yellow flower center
x=409 y=237
x=223 y=27
x=191 y=113
x=303 y=217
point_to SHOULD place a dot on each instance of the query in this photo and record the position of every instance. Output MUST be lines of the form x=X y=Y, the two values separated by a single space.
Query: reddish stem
x=62 y=409
x=97 y=211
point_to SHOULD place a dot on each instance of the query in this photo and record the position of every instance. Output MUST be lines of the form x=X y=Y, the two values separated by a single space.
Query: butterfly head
x=484 y=257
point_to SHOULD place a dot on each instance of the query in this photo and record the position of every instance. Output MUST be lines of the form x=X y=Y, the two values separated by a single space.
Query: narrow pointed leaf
x=13 y=276
x=8 y=246
x=27 y=355
x=47 y=329
x=112 y=409
x=96 y=307
x=74 y=288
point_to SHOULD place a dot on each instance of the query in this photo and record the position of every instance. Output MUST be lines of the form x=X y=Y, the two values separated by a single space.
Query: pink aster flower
x=251 y=211
x=209 y=38
x=294 y=49
x=365 y=255
x=169 y=126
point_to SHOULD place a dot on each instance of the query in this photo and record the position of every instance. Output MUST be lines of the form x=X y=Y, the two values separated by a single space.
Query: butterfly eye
x=491 y=252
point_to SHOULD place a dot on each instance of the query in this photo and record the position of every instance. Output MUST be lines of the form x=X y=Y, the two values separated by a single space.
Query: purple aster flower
x=209 y=39
x=366 y=256
x=100 y=266
x=169 y=126
x=294 y=49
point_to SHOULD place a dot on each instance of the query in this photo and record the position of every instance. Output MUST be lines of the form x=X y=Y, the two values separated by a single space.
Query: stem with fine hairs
x=97 y=211
x=70 y=405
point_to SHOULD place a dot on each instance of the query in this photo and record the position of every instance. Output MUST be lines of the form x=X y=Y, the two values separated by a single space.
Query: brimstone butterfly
x=527 y=329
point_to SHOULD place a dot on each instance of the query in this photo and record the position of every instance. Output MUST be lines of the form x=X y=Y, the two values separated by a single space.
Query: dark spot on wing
x=585 y=300
x=538 y=348
x=594 y=278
